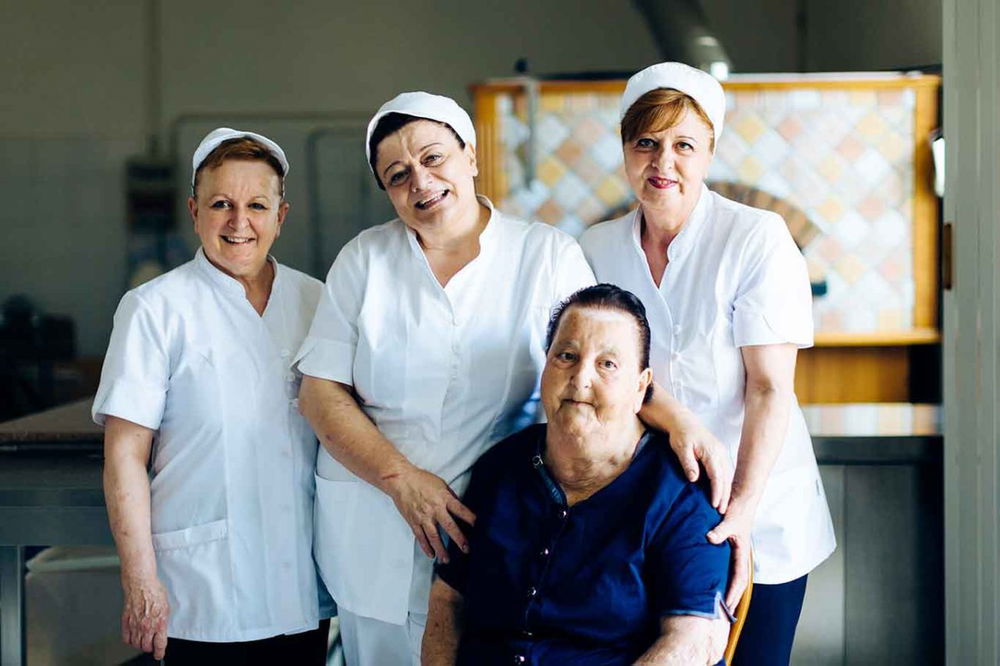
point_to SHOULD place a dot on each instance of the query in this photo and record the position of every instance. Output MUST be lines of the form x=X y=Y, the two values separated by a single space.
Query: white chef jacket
x=444 y=372
x=734 y=278
x=232 y=465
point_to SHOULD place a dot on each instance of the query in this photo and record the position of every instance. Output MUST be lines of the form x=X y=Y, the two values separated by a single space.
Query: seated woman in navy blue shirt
x=589 y=543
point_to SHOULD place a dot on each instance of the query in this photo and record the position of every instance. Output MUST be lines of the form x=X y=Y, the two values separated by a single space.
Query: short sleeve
x=328 y=350
x=773 y=303
x=688 y=575
x=136 y=372
x=572 y=272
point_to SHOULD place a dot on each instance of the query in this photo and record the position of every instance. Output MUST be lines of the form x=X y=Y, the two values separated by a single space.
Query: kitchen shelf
x=914 y=336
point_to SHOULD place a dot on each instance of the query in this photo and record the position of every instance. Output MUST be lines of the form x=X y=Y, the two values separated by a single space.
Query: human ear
x=193 y=210
x=645 y=379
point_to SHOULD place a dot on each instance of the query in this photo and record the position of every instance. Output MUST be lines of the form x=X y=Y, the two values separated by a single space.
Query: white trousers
x=369 y=642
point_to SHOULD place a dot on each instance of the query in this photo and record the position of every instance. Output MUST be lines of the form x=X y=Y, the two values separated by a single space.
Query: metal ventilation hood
x=682 y=33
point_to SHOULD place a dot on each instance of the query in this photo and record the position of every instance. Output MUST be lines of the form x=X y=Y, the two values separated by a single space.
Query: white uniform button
x=285 y=353
x=677 y=329
x=675 y=356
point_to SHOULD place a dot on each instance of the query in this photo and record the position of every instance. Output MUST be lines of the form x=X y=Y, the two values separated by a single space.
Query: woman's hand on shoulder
x=145 y=613
x=426 y=503
x=735 y=528
x=694 y=444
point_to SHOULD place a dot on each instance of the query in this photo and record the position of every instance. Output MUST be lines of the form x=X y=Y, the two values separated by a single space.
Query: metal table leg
x=12 y=606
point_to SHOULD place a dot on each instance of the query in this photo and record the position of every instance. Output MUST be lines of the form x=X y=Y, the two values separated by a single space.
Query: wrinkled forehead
x=414 y=135
x=248 y=172
x=598 y=325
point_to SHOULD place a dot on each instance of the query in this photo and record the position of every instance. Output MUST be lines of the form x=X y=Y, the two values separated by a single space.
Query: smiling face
x=592 y=382
x=426 y=173
x=238 y=212
x=666 y=168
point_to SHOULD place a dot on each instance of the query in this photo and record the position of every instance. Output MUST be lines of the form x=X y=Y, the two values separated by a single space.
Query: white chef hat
x=220 y=134
x=700 y=86
x=424 y=105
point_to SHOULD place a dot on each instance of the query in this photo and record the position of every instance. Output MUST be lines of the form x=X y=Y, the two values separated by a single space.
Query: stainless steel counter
x=67 y=427
x=875 y=433
x=50 y=494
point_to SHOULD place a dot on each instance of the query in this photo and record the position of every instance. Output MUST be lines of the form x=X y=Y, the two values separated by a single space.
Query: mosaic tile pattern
x=578 y=172
x=844 y=158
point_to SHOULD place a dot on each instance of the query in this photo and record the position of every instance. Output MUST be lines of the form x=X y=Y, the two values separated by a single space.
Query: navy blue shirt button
x=563 y=513
x=532 y=592
x=545 y=552
x=527 y=634
x=519 y=659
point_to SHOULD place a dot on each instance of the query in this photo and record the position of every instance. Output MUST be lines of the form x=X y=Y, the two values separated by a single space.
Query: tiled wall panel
x=843 y=157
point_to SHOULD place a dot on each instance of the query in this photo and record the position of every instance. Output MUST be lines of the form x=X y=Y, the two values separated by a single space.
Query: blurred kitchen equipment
x=31 y=342
x=937 y=153
x=682 y=33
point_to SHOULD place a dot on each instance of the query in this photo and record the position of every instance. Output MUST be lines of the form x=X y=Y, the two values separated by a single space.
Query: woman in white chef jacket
x=729 y=304
x=215 y=542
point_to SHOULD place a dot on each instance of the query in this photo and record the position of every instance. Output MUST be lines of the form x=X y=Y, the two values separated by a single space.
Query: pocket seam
x=190 y=536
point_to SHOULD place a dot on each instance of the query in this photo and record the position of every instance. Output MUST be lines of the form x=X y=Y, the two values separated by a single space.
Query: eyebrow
x=394 y=163
x=229 y=197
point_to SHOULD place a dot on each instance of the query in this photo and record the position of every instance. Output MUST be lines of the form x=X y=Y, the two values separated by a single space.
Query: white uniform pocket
x=364 y=549
x=194 y=566
x=190 y=536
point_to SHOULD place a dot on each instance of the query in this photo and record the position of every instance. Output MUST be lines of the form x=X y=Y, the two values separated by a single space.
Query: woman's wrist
x=138 y=571
x=393 y=475
x=663 y=412
x=745 y=499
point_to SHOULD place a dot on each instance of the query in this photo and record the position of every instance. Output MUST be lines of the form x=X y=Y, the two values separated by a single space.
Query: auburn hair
x=660 y=110
x=240 y=148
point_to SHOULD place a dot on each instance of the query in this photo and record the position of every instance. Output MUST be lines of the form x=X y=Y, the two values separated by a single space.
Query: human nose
x=239 y=217
x=663 y=159
x=420 y=178
x=582 y=376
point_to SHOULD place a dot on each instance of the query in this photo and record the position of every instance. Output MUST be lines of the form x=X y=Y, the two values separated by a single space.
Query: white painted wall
x=74 y=103
x=71 y=101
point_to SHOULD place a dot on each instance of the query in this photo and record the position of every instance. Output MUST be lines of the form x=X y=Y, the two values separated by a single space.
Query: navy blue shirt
x=546 y=583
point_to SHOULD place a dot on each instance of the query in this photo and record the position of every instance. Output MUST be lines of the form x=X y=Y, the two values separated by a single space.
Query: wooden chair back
x=741 y=611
